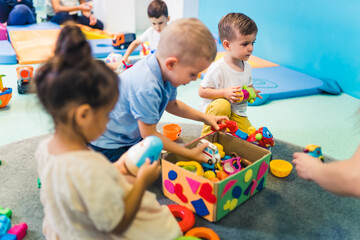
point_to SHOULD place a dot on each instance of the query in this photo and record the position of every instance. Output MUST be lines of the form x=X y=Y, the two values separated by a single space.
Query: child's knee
x=219 y=107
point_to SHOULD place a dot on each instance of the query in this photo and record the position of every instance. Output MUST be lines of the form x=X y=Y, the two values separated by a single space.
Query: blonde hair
x=187 y=39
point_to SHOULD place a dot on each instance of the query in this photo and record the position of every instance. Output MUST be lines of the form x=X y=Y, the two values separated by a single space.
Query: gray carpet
x=288 y=208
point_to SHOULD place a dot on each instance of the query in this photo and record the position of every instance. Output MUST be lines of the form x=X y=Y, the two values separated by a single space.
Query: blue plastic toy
x=150 y=148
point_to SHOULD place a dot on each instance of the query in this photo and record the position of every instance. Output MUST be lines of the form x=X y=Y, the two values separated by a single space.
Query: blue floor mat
x=281 y=82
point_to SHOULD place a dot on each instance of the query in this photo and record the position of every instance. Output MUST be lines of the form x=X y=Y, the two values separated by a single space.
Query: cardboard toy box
x=214 y=200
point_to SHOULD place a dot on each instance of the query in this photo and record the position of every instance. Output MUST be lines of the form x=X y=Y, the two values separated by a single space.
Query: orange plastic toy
x=5 y=94
x=24 y=76
x=172 y=131
x=187 y=217
x=203 y=233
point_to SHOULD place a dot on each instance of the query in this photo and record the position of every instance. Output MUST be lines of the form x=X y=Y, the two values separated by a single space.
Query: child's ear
x=82 y=114
x=168 y=18
x=170 y=63
x=226 y=45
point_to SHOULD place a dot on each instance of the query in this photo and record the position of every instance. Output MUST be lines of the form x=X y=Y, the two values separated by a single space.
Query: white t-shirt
x=151 y=36
x=67 y=3
x=83 y=197
x=221 y=75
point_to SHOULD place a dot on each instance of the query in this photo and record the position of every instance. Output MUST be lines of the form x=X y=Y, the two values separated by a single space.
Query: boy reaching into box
x=147 y=89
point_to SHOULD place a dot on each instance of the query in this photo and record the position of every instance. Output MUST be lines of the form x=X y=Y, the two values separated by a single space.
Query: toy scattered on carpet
x=123 y=40
x=25 y=76
x=314 y=150
x=17 y=232
x=150 y=148
x=280 y=168
x=5 y=93
x=116 y=58
x=187 y=221
x=172 y=131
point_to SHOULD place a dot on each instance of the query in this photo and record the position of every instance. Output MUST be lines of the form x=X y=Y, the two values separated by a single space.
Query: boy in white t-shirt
x=158 y=16
x=220 y=87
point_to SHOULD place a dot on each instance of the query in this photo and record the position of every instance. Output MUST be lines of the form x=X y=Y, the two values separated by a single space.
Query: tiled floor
x=326 y=120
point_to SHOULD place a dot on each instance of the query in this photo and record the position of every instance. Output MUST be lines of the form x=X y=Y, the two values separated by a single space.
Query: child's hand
x=197 y=153
x=85 y=7
x=92 y=19
x=232 y=94
x=306 y=165
x=149 y=172
x=126 y=60
x=213 y=121
x=257 y=93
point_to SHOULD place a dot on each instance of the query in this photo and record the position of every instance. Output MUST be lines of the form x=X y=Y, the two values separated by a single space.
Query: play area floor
x=326 y=120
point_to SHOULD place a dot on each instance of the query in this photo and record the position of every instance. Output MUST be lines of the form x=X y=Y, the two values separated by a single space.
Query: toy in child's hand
x=145 y=50
x=5 y=93
x=247 y=94
x=123 y=40
x=314 y=150
x=211 y=152
x=150 y=148
x=25 y=76
x=113 y=58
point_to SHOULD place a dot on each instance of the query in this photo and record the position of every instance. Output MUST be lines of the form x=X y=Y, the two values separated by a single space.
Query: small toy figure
x=211 y=152
x=123 y=40
x=150 y=148
x=24 y=75
x=5 y=93
x=113 y=58
x=314 y=150
x=262 y=137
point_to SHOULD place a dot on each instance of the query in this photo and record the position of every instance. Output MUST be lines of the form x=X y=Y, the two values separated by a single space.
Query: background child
x=339 y=177
x=219 y=88
x=79 y=93
x=17 y=12
x=148 y=88
x=60 y=11
x=158 y=16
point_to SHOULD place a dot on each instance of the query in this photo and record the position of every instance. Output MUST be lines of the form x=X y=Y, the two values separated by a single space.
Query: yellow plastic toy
x=280 y=168
x=199 y=169
x=220 y=148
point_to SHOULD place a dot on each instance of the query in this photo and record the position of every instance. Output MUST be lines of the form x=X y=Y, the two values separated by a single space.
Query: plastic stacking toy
x=172 y=131
x=5 y=93
x=187 y=218
x=150 y=148
x=203 y=233
x=280 y=168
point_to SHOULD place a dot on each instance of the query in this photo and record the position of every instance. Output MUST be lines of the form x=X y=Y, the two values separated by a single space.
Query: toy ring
x=199 y=169
x=187 y=217
x=203 y=232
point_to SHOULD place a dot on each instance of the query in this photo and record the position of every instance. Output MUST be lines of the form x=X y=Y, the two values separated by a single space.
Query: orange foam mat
x=34 y=46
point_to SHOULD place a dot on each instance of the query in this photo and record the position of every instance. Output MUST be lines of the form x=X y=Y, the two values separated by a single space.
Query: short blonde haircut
x=187 y=39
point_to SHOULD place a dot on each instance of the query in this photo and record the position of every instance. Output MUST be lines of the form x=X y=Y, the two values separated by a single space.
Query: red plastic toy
x=187 y=217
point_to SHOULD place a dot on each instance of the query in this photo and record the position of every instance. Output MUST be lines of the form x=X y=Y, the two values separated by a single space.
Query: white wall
x=117 y=15
x=131 y=15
